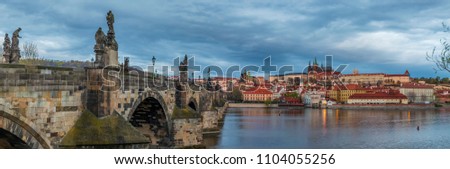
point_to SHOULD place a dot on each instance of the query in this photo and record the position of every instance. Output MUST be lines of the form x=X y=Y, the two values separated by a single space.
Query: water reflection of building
x=327 y=128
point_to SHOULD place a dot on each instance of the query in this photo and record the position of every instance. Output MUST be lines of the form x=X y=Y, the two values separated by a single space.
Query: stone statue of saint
x=110 y=20
x=185 y=61
x=6 y=45
x=15 y=39
x=100 y=38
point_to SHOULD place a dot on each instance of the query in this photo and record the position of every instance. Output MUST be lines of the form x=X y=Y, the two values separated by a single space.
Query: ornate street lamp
x=153 y=61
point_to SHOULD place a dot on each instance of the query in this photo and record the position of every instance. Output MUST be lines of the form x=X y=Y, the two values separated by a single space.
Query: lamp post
x=153 y=61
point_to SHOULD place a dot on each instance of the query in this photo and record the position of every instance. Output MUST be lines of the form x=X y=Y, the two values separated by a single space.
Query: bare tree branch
x=442 y=60
x=30 y=51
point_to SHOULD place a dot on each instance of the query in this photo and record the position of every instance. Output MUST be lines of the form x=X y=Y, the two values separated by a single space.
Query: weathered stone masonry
x=47 y=99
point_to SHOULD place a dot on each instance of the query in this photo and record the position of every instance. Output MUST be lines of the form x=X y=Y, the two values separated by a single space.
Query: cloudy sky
x=372 y=36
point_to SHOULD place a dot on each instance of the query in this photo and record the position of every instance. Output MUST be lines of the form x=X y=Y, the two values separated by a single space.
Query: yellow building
x=368 y=78
x=342 y=93
x=257 y=94
x=397 y=78
x=375 y=78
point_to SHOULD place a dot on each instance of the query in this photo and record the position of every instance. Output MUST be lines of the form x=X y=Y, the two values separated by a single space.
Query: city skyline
x=388 y=37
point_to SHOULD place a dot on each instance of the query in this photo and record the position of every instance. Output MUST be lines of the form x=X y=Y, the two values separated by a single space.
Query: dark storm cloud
x=373 y=36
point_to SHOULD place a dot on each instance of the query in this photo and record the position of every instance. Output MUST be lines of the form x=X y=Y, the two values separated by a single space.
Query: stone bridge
x=106 y=105
x=54 y=107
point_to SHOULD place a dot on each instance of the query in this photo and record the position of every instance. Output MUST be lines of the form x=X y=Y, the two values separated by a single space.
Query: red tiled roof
x=407 y=72
x=390 y=75
x=257 y=91
x=349 y=87
x=379 y=95
x=223 y=78
x=291 y=100
x=416 y=85
x=329 y=73
x=374 y=74
x=279 y=89
x=443 y=91
x=365 y=74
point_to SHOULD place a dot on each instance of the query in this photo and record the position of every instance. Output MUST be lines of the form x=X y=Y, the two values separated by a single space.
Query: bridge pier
x=187 y=132
x=103 y=86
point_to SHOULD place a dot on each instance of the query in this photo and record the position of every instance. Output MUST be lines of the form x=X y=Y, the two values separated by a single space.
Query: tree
x=445 y=80
x=291 y=94
x=379 y=82
x=236 y=95
x=442 y=60
x=30 y=51
x=268 y=102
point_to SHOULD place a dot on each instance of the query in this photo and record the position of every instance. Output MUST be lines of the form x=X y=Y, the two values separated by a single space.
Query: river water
x=326 y=128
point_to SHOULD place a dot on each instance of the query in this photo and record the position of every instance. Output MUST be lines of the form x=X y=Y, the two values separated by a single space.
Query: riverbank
x=250 y=105
x=381 y=106
x=344 y=106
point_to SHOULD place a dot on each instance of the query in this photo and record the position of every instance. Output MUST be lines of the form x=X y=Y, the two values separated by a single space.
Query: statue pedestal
x=99 y=52
x=111 y=57
x=6 y=58
x=102 y=90
x=15 y=56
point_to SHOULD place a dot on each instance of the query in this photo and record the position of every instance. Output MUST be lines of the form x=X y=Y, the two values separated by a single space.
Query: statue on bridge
x=11 y=50
x=100 y=41
x=15 y=39
x=106 y=47
x=110 y=40
x=100 y=38
x=110 y=21
x=6 y=49
x=15 y=49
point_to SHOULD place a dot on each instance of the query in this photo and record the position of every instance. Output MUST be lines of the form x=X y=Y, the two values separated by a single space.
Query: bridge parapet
x=48 y=99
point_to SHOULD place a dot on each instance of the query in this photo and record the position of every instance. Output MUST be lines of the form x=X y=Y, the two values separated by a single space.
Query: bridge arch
x=10 y=141
x=149 y=114
x=21 y=128
x=193 y=104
